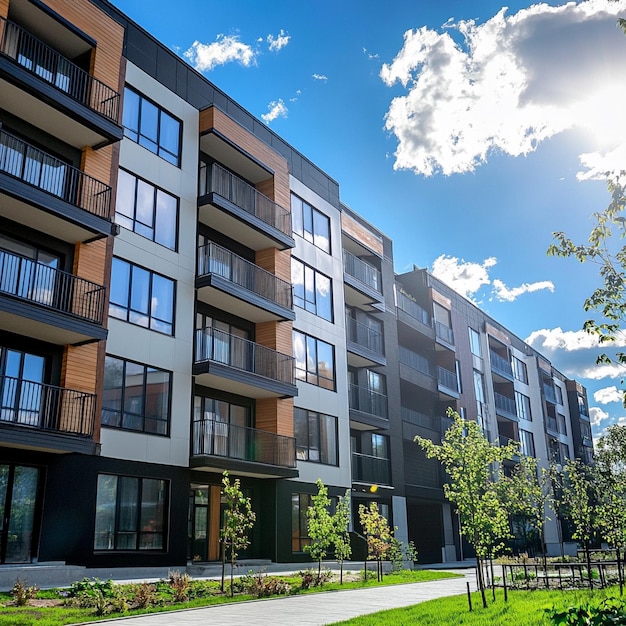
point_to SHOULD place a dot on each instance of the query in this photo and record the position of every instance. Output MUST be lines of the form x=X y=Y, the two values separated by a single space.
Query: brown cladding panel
x=275 y=335
x=275 y=415
x=277 y=262
x=4 y=8
x=80 y=367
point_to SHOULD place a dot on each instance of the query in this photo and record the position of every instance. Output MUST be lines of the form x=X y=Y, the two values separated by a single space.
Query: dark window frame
x=304 y=448
x=299 y=218
x=301 y=301
x=310 y=376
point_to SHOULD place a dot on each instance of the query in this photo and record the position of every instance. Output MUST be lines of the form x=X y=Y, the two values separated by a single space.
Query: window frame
x=310 y=374
x=302 y=302
x=474 y=342
x=527 y=440
x=303 y=452
x=300 y=222
x=520 y=371
x=521 y=405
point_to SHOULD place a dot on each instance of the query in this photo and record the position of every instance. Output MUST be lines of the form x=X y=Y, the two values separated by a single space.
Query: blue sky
x=467 y=132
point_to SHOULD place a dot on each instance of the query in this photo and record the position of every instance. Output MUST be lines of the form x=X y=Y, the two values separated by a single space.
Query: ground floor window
x=131 y=513
x=299 y=530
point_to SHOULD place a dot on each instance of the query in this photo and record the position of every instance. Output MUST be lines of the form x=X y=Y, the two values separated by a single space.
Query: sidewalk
x=315 y=609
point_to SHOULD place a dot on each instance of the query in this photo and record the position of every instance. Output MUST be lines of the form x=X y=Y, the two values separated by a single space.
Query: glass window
x=146 y=210
x=474 y=338
x=141 y=297
x=151 y=126
x=316 y=437
x=311 y=290
x=314 y=360
x=310 y=223
x=131 y=513
x=136 y=396
x=527 y=447
x=300 y=502
x=519 y=370
x=222 y=428
x=559 y=394
x=522 y=404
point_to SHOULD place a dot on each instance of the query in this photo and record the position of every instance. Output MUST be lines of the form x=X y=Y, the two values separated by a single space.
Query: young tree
x=321 y=526
x=377 y=534
x=341 y=540
x=474 y=467
x=239 y=519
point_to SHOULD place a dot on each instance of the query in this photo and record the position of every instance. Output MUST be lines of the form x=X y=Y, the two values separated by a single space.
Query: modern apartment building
x=183 y=293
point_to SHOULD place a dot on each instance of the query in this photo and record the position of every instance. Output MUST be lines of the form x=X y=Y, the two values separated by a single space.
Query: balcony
x=363 y=282
x=232 y=206
x=370 y=469
x=444 y=334
x=412 y=314
x=447 y=382
x=233 y=284
x=416 y=369
x=40 y=416
x=501 y=366
x=410 y=416
x=48 y=304
x=552 y=424
x=505 y=406
x=368 y=407
x=549 y=393
x=248 y=451
x=51 y=92
x=364 y=344
x=236 y=365
x=49 y=195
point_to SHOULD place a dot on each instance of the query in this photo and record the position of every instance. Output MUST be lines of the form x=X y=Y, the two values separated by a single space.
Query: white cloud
x=275 y=109
x=507 y=84
x=597 y=415
x=569 y=340
x=370 y=55
x=463 y=276
x=279 y=41
x=225 y=49
x=606 y=395
x=506 y=294
x=600 y=372
x=320 y=77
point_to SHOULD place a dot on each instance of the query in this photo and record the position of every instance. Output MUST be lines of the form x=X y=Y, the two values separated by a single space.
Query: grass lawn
x=47 y=608
x=524 y=608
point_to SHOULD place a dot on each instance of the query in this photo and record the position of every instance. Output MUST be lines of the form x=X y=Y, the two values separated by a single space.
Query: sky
x=467 y=131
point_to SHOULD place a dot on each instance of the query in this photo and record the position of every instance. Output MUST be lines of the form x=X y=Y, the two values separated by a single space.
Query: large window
x=316 y=437
x=519 y=370
x=527 y=443
x=141 y=297
x=311 y=290
x=300 y=502
x=310 y=223
x=315 y=360
x=522 y=404
x=131 y=513
x=151 y=127
x=136 y=396
x=474 y=338
x=146 y=210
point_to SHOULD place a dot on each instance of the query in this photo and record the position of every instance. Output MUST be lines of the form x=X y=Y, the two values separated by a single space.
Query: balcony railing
x=55 y=177
x=362 y=271
x=47 y=286
x=213 y=259
x=414 y=361
x=447 y=379
x=444 y=333
x=370 y=469
x=412 y=308
x=215 y=438
x=368 y=401
x=550 y=394
x=500 y=365
x=216 y=179
x=218 y=346
x=46 y=407
x=505 y=403
x=419 y=419
x=365 y=336
x=39 y=59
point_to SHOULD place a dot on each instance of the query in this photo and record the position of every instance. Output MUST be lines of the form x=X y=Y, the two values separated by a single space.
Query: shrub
x=144 y=595
x=90 y=586
x=309 y=577
x=180 y=585
x=608 y=611
x=261 y=586
x=22 y=593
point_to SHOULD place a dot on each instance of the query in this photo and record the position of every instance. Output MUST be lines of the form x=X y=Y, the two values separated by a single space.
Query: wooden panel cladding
x=275 y=335
x=364 y=236
x=106 y=32
x=276 y=188
x=215 y=495
x=100 y=164
x=275 y=415
x=80 y=367
x=278 y=262
x=4 y=8
x=446 y=303
x=544 y=365
x=497 y=333
x=90 y=260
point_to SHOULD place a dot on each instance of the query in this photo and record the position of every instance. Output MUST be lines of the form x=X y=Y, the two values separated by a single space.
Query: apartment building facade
x=183 y=293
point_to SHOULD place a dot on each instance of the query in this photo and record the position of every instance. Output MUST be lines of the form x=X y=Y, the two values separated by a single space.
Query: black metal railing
x=43 y=61
x=447 y=379
x=49 y=174
x=215 y=438
x=364 y=335
x=47 y=286
x=444 y=333
x=362 y=271
x=419 y=419
x=412 y=309
x=370 y=469
x=216 y=179
x=221 y=347
x=368 y=401
x=505 y=403
x=46 y=407
x=414 y=361
x=213 y=259
x=500 y=365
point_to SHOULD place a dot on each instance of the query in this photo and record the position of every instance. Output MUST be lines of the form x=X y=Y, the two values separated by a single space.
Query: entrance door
x=204 y=523
x=18 y=505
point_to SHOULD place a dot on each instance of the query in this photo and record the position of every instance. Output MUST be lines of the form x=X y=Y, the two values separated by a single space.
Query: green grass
x=61 y=615
x=524 y=608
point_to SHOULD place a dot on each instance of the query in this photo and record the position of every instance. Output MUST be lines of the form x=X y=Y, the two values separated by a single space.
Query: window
x=559 y=394
x=474 y=338
x=217 y=340
x=310 y=223
x=146 y=210
x=312 y=290
x=315 y=360
x=300 y=502
x=136 y=396
x=522 y=404
x=564 y=452
x=519 y=370
x=131 y=513
x=316 y=437
x=561 y=422
x=141 y=297
x=527 y=442
x=151 y=127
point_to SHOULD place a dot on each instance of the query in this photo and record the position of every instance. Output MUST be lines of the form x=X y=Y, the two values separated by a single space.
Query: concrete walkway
x=315 y=609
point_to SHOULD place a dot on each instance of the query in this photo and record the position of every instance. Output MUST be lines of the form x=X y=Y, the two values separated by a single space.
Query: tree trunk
x=620 y=574
x=588 y=557
x=481 y=581
x=232 y=570
x=223 y=551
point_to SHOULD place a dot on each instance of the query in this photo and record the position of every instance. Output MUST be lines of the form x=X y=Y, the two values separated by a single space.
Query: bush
x=22 y=593
x=608 y=611
x=91 y=586
x=144 y=595
x=261 y=586
x=309 y=577
x=180 y=585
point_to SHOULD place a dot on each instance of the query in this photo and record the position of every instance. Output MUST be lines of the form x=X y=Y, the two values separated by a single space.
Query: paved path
x=316 y=609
